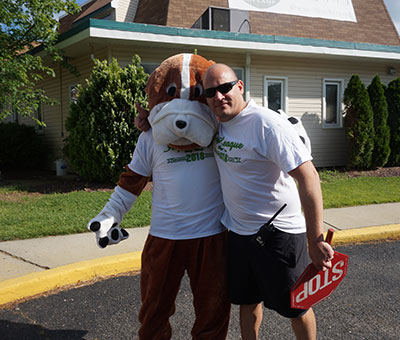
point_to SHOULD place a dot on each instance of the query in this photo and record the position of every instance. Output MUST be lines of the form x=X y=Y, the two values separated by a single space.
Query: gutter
x=245 y=42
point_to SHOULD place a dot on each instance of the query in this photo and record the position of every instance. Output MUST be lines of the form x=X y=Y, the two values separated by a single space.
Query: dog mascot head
x=179 y=115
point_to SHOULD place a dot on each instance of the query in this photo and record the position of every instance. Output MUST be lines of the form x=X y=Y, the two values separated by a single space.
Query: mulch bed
x=45 y=182
x=380 y=172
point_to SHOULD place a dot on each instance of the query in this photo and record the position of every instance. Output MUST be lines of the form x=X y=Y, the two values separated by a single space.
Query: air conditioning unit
x=224 y=19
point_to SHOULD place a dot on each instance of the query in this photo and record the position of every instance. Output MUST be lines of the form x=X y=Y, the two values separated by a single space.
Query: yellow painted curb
x=41 y=282
x=367 y=234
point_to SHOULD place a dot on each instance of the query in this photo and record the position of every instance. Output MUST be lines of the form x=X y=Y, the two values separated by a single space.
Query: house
x=294 y=55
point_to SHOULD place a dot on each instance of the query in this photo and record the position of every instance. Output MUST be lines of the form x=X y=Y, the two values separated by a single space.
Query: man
x=260 y=156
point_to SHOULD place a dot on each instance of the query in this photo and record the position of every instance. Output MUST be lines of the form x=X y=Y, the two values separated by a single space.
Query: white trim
x=285 y=95
x=340 y=84
x=247 y=75
x=233 y=44
x=73 y=40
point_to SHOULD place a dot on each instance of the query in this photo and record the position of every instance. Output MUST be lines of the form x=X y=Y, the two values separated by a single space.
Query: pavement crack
x=17 y=310
x=331 y=225
x=24 y=260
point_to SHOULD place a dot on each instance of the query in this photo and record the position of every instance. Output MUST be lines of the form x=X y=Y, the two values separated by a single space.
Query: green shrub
x=359 y=124
x=102 y=135
x=393 y=99
x=381 y=152
x=21 y=147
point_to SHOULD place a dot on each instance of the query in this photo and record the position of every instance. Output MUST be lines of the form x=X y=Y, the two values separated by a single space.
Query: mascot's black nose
x=180 y=124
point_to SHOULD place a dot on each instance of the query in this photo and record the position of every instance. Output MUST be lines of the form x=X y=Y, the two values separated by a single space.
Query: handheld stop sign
x=315 y=285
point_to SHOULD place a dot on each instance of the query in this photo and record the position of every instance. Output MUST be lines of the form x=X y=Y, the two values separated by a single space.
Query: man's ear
x=240 y=86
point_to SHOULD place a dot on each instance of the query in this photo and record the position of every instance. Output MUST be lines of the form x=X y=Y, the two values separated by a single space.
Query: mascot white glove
x=106 y=223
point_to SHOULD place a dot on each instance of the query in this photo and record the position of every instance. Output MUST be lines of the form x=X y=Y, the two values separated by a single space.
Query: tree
x=359 y=124
x=381 y=152
x=393 y=99
x=102 y=135
x=25 y=25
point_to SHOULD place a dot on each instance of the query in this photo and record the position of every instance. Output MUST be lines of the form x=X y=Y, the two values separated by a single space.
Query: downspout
x=91 y=52
x=247 y=71
x=61 y=102
x=109 y=55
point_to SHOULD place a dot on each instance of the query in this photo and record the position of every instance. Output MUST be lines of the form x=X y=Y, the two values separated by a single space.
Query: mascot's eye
x=198 y=90
x=171 y=89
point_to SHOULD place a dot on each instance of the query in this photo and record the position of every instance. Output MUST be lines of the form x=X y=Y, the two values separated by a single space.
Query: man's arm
x=310 y=193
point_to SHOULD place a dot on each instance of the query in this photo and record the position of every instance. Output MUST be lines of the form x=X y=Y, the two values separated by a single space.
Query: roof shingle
x=88 y=8
x=373 y=25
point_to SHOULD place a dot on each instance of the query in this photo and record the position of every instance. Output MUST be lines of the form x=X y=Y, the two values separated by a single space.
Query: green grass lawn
x=28 y=214
x=25 y=215
x=341 y=191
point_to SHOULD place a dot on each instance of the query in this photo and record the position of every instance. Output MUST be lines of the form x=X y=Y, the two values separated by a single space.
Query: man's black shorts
x=257 y=274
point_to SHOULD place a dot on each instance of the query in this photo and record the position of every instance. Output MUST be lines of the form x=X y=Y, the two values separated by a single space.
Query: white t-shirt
x=187 y=200
x=255 y=151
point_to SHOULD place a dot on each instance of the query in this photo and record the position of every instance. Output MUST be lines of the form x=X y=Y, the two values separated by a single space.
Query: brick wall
x=152 y=12
x=373 y=21
x=185 y=13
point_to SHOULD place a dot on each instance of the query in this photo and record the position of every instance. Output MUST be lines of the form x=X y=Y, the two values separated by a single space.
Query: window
x=331 y=103
x=220 y=19
x=216 y=19
x=73 y=94
x=149 y=67
x=275 y=93
x=14 y=116
x=239 y=72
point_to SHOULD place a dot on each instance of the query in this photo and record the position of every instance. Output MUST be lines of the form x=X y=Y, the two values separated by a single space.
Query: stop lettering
x=314 y=286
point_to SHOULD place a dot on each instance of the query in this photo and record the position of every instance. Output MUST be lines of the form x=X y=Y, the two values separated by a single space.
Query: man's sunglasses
x=223 y=88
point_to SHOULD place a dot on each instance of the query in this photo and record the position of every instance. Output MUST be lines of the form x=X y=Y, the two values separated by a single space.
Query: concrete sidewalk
x=31 y=267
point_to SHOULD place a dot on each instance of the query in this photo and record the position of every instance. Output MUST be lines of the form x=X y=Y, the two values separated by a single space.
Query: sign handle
x=329 y=235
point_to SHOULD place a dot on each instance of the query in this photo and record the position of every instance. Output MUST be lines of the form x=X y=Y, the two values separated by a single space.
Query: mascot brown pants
x=163 y=265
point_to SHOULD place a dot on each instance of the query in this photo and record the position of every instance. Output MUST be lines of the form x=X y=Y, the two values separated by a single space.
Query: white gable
x=327 y=9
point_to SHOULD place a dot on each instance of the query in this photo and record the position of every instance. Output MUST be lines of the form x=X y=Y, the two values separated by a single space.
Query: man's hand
x=321 y=254
x=141 y=121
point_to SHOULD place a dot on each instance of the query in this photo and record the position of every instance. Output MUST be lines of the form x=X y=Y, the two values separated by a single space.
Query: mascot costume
x=185 y=232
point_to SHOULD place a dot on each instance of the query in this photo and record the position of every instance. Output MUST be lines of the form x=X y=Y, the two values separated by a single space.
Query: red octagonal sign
x=314 y=286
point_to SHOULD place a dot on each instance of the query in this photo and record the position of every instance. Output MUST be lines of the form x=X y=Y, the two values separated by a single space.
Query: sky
x=393 y=7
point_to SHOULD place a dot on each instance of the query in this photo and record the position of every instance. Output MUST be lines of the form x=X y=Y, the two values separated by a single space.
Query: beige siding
x=157 y=55
x=126 y=10
x=305 y=82
x=58 y=88
x=304 y=76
